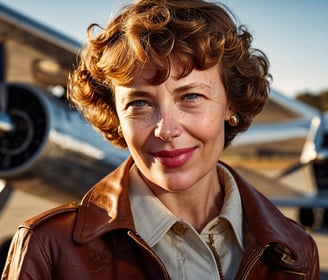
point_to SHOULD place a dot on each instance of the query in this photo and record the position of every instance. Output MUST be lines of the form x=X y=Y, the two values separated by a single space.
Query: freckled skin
x=188 y=113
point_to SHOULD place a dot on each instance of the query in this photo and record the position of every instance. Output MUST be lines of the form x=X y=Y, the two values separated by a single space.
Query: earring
x=233 y=120
x=119 y=132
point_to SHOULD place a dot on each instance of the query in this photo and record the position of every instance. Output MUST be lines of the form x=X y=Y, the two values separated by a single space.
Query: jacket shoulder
x=50 y=214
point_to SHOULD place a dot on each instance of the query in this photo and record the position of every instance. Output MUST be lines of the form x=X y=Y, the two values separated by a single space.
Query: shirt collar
x=153 y=219
x=231 y=211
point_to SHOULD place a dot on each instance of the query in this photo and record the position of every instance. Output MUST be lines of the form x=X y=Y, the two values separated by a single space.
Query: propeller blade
x=6 y=124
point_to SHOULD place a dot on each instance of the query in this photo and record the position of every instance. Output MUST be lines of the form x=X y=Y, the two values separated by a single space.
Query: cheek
x=213 y=137
x=135 y=134
x=211 y=125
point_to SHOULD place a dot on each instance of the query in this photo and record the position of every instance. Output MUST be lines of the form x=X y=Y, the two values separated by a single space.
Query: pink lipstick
x=174 y=158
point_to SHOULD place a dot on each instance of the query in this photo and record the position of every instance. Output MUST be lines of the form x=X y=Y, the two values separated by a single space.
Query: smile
x=174 y=158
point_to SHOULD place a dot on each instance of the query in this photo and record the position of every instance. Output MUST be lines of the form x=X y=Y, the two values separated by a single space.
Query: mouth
x=174 y=158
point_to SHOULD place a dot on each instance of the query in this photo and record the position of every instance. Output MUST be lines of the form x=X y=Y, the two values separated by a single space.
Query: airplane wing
x=282 y=194
x=34 y=53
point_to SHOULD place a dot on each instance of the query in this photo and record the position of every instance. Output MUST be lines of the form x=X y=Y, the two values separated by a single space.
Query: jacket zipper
x=138 y=239
x=253 y=261
x=258 y=255
x=295 y=273
x=284 y=258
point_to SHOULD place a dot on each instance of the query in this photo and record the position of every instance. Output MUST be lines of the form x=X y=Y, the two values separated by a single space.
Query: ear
x=229 y=113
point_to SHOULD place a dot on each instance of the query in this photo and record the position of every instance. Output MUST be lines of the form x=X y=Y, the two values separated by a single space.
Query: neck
x=197 y=205
x=198 y=210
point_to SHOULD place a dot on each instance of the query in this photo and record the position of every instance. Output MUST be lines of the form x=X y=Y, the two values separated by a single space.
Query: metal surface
x=51 y=142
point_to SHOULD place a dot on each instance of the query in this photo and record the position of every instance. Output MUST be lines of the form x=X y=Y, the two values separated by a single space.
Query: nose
x=168 y=126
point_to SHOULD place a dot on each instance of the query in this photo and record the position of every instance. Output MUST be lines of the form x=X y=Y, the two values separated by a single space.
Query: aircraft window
x=47 y=66
x=49 y=72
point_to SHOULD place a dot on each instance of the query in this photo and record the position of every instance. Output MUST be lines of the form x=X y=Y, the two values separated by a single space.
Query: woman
x=173 y=81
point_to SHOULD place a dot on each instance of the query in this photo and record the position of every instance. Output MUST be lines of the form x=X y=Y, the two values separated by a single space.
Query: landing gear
x=315 y=218
x=4 y=247
x=306 y=217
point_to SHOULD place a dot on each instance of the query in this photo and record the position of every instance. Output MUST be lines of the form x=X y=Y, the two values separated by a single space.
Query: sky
x=292 y=33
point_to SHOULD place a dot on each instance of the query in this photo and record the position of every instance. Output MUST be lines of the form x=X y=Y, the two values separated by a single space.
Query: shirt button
x=179 y=229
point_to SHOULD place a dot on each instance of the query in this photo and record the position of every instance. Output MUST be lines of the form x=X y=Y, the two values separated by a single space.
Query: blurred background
x=49 y=155
x=292 y=33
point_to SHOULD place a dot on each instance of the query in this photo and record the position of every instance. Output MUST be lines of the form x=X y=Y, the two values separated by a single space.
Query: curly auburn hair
x=196 y=33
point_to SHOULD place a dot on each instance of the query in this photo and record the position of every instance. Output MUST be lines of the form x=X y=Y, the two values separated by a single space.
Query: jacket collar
x=264 y=223
x=106 y=207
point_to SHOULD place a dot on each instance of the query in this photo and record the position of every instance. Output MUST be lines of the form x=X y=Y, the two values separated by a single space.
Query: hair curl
x=196 y=33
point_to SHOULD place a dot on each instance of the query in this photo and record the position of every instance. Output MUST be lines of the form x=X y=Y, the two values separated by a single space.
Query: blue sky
x=293 y=33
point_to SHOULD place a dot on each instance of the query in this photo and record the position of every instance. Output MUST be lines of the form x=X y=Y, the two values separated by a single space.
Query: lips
x=174 y=158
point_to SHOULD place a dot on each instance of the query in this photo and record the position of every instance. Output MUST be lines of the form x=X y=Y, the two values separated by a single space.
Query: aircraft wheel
x=325 y=218
x=4 y=247
x=306 y=217
x=315 y=218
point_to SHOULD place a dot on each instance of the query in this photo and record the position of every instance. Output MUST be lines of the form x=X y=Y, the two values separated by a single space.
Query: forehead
x=210 y=77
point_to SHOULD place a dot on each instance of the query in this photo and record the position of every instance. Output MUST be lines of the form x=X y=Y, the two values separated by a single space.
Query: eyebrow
x=191 y=86
x=142 y=93
x=136 y=92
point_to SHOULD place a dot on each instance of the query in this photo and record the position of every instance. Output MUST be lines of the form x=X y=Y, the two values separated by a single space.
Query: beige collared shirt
x=183 y=250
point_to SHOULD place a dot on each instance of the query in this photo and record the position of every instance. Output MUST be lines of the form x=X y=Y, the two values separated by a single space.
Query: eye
x=138 y=103
x=191 y=97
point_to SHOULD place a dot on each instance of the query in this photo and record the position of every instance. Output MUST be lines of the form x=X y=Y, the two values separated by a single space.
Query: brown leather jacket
x=97 y=240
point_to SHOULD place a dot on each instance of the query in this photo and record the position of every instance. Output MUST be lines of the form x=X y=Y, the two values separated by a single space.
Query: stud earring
x=233 y=120
x=119 y=132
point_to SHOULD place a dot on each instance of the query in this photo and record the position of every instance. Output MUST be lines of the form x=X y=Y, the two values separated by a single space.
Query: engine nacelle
x=30 y=118
x=50 y=143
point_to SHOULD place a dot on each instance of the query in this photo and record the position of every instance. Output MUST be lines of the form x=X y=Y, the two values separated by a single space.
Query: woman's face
x=175 y=130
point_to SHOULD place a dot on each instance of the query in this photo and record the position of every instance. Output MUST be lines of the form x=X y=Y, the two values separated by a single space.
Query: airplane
x=49 y=155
